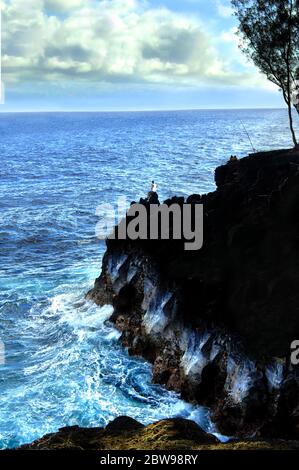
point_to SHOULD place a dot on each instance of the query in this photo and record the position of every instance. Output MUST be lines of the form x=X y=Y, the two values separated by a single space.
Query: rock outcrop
x=217 y=324
x=169 y=434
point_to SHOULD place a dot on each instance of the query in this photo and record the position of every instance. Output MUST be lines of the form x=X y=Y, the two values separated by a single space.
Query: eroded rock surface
x=125 y=433
x=217 y=324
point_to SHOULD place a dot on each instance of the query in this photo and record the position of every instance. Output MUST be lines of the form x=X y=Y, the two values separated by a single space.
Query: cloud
x=224 y=8
x=62 y=6
x=230 y=36
x=108 y=41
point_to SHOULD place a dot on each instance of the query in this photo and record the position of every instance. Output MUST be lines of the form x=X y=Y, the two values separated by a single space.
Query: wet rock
x=213 y=322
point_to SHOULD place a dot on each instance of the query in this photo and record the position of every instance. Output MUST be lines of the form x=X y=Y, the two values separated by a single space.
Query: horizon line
x=36 y=111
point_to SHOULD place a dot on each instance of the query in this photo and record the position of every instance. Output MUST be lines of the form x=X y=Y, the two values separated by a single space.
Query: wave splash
x=70 y=370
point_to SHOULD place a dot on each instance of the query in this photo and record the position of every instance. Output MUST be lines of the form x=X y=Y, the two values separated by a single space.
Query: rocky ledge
x=125 y=433
x=217 y=324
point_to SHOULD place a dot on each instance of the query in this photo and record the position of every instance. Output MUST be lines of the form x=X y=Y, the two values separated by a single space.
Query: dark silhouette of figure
x=152 y=196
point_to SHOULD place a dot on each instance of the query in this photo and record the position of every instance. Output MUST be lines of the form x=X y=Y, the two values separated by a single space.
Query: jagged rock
x=125 y=433
x=123 y=424
x=218 y=323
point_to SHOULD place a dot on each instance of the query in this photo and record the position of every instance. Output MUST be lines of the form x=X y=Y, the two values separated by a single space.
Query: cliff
x=217 y=324
x=125 y=433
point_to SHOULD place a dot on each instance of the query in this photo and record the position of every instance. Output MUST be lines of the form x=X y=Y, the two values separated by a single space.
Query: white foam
x=193 y=360
x=57 y=303
x=131 y=273
x=80 y=314
x=221 y=437
x=155 y=320
x=184 y=336
x=274 y=374
x=114 y=265
x=113 y=335
x=215 y=350
x=240 y=378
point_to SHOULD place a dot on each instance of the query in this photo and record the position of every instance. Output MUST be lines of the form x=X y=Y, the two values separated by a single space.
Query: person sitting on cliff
x=154 y=187
x=152 y=196
x=233 y=158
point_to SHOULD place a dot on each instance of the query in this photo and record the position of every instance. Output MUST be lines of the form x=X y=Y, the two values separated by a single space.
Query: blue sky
x=126 y=55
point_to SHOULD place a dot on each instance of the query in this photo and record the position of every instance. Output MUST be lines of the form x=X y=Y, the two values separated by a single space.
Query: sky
x=115 y=55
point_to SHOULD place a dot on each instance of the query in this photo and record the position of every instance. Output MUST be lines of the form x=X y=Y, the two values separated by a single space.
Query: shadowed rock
x=217 y=324
x=125 y=433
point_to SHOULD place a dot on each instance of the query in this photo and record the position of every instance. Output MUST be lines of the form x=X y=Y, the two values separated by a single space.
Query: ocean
x=63 y=363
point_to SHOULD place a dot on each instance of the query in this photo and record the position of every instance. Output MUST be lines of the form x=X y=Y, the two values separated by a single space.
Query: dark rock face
x=217 y=324
x=125 y=433
x=123 y=424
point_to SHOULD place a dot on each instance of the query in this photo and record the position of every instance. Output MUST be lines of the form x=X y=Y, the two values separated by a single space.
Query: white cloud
x=224 y=9
x=230 y=36
x=108 y=41
x=62 y=6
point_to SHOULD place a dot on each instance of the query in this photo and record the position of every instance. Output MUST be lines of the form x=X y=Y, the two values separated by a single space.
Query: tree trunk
x=289 y=90
x=291 y=123
x=288 y=100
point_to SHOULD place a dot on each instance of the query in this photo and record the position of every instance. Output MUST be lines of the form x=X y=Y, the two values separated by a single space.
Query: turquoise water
x=63 y=364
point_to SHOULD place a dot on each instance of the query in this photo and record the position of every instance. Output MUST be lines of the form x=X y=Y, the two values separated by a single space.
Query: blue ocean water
x=63 y=364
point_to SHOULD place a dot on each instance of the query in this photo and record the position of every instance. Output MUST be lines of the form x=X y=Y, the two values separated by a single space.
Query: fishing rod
x=254 y=150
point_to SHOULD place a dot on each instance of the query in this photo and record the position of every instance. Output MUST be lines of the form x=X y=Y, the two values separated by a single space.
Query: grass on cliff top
x=171 y=434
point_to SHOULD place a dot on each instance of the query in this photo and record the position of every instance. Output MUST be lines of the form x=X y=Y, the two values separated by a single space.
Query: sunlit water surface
x=64 y=365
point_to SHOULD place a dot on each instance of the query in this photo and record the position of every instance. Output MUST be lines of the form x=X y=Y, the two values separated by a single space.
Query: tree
x=269 y=32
